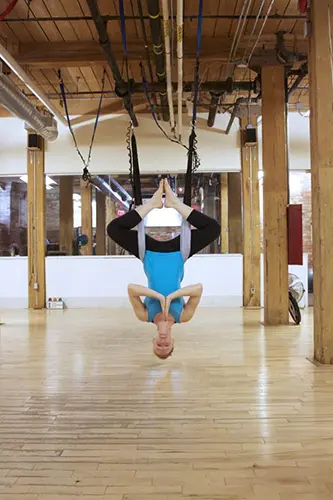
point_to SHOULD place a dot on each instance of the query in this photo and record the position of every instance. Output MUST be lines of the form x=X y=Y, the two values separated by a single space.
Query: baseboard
x=123 y=302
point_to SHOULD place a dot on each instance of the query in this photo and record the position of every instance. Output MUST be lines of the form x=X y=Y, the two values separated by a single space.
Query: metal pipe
x=303 y=71
x=284 y=55
x=121 y=85
x=156 y=37
x=165 y=8
x=180 y=29
x=17 y=103
x=233 y=114
x=213 y=109
x=16 y=68
x=106 y=18
x=219 y=87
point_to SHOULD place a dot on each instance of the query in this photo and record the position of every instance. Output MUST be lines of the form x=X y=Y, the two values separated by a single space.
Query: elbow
x=216 y=229
x=199 y=288
x=112 y=229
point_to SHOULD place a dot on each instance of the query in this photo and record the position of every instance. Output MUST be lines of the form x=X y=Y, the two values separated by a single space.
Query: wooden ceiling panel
x=222 y=26
x=43 y=31
x=81 y=28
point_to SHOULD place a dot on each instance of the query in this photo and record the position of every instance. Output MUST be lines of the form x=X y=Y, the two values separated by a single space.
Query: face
x=163 y=343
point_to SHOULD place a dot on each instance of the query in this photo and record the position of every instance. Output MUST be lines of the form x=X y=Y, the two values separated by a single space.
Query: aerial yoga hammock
x=164 y=261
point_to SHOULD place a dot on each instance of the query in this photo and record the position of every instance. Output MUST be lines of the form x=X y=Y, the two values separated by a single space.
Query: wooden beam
x=86 y=216
x=275 y=189
x=100 y=223
x=251 y=221
x=321 y=132
x=66 y=213
x=36 y=228
x=235 y=223
x=87 y=53
x=110 y=247
x=224 y=212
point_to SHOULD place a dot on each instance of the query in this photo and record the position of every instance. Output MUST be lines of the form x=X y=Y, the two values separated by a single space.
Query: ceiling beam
x=74 y=54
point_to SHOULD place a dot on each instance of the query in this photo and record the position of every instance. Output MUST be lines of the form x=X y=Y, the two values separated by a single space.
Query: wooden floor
x=237 y=413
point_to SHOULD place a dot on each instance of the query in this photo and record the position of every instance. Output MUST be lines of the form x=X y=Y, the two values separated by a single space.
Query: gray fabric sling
x=185 y=240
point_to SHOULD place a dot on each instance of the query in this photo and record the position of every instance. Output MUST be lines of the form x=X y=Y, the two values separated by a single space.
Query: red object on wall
x=302 y=6
x=295 y=235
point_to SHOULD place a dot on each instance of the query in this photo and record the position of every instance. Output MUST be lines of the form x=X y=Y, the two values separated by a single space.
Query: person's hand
x=168 y=301
x=156 y=201
x=170 y=196
x=162 y=299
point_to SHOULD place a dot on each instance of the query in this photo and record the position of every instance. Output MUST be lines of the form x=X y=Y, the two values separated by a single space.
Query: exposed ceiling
x=47 y=35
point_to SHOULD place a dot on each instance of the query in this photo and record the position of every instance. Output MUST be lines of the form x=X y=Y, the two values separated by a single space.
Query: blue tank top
x=165 y=272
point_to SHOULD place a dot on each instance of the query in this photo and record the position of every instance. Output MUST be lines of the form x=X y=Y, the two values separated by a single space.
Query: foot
x=170 y=197
x=156 y=201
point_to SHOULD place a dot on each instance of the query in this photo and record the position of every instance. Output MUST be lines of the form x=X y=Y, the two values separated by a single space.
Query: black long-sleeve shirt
x=205 y=232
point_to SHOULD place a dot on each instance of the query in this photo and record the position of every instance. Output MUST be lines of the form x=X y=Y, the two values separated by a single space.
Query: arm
x=194 y=293
x=135 y=292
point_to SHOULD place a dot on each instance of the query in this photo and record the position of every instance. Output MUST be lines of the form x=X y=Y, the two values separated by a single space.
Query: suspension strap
x=86 y=174
x=193 y=160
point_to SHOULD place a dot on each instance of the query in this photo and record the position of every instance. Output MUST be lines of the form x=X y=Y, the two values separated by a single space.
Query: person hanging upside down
x=163 y=262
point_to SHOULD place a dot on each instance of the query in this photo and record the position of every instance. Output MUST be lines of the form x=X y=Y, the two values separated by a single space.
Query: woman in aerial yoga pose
x=163 y=262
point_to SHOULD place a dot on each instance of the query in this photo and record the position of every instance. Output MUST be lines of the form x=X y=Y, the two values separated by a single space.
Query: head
x=163 y=344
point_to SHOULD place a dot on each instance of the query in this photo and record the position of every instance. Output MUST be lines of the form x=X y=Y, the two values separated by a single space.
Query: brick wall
x=52 y=215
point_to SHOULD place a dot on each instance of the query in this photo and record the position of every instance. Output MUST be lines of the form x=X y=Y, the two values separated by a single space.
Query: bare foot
x=170 y=197
x=156 y=201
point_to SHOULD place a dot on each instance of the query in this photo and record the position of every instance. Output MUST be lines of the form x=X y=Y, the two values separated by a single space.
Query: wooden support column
x=100 y=223
x=224 y=213
x=321 y=130
x=251 y=220
x=66 y=213
x=275 y=194
x=86 y=216
x=111 y=247
x=235 y=223
x=36 y=227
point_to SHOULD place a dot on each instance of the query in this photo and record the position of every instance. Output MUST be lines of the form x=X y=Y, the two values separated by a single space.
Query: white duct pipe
x=16 y=68
x=17 y=103
x=180 y=23
x=166 y=24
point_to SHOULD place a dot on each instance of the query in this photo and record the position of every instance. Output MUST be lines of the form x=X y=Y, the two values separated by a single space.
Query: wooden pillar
x=100 y=223
x=275 y=194
x=66 y=213
x=86 y=216
x=111 y=247
x=36 y=227
x=321 y=131
x=235 y=212
x=251 y=220
x=224 y=213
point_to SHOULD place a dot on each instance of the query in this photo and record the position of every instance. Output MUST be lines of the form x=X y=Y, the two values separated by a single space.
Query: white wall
x=101 y=281
x=14 y=282
x=218 y=152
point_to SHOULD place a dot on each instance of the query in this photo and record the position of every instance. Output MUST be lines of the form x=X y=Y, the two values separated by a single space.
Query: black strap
x=86 y=174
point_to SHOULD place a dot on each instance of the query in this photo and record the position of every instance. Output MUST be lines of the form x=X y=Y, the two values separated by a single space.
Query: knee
x=112 y=228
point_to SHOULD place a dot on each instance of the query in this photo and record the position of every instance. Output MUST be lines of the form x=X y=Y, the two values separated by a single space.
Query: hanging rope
x=152 y=110
x=86 y=174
